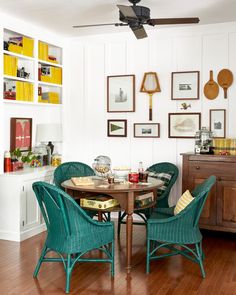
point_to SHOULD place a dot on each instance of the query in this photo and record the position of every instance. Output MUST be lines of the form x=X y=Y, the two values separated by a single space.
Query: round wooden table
x=125 y=193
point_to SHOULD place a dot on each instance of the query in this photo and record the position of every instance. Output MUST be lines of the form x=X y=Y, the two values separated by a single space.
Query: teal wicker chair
x=162 y=200
x=70 y=231
x=71 y=169
x=75 y=169
x=167 y=230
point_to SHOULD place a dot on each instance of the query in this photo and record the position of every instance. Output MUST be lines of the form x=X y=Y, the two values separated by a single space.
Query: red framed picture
x=21 y=134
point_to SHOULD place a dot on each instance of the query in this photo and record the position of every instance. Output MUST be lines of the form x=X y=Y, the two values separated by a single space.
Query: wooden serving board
x=225 y=80
x=211 y=88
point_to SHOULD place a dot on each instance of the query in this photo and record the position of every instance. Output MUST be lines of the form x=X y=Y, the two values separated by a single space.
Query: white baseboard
x=21 y=236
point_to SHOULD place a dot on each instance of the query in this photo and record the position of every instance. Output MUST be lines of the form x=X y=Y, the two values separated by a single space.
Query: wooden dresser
x=219 y=212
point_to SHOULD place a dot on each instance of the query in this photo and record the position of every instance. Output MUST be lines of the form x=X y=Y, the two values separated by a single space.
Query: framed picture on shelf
x=149 y=130
x=21 y=134
x=217 y=122
x=184 y=125
x=185 y=85
x=116 y=128
x=121 y=93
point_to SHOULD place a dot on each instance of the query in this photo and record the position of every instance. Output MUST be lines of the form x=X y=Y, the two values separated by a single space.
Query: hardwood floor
x=174 y=275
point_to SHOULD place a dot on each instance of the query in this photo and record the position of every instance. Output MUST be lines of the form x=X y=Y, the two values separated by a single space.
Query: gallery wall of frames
x=107 y=74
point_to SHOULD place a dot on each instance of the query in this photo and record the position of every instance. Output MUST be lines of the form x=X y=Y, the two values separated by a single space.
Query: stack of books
x=44 y=53
x=144 y=200
x=98 y=202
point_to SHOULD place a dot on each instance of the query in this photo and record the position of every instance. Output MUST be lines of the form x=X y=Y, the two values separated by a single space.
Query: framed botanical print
x=121 y=93
x=150 y=130
x=184 y=125
x=21 y=134
x=116 y=128
x=185 y=85
x=217 y=122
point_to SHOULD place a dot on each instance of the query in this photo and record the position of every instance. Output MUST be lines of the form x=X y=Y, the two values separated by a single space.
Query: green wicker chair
x=70 y=231
x=162 y=201
x=167 y=230
x=71 y=169
x=75 y=169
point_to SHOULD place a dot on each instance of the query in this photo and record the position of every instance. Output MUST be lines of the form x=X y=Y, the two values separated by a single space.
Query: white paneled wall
x=202 y=48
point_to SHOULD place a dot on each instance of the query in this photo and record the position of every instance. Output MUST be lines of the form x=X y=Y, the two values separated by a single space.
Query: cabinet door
x=226 y=204
x=208 y=216
x=30 y=213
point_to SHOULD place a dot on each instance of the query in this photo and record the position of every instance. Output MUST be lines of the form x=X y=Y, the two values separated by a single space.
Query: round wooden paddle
x=211 y=88
x=225 y=80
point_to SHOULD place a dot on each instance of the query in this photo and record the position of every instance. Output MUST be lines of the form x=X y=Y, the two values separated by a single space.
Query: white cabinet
x=20 y=216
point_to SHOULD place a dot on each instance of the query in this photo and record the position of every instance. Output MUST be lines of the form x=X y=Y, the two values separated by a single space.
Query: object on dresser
x=224 y=146
x=87 y=180
x=98 y=202
x=203 y=141
x=144 y=200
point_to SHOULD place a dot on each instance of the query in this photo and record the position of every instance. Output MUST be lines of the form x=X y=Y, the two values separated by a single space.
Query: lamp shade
x=49 y=132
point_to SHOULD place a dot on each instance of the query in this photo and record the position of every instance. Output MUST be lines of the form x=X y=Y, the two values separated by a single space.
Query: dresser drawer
x=224 y=171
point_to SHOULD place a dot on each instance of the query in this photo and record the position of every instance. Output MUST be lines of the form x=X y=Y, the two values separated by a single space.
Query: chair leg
x=148 y=257
x=40 y=261
x=198 y=248
x=119 y=223
x=68 y=273
x=113 y=259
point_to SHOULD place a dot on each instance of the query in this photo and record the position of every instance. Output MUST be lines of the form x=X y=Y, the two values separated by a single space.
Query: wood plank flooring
x=173 y=275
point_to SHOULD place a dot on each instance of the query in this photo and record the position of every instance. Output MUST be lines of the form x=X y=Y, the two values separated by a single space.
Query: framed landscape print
x=217 y=122
x=184 y=125
x=185 y=85
x=150 y=130
x=121 y=93
x=21 y=134
x=116 y=128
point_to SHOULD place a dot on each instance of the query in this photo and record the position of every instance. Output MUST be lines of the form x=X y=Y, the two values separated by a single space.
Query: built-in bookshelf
x=32 y=70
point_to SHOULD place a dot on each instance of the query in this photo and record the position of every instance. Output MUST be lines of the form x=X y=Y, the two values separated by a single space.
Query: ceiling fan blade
x=139 y=32
x=99 y=25
x=173 y=21
x=127 y=11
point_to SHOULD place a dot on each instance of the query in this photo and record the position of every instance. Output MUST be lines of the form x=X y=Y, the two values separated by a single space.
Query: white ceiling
x=61 y=15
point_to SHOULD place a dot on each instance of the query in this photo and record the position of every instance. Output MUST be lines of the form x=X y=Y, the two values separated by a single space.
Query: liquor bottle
x=140 y=167
x=7 y=162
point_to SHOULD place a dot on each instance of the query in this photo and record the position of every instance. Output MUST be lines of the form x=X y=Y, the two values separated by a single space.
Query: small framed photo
x=21 y=134
x=150 y=130
x=184 y=125
x=121 y=93
x=217 y=122
x=116 y=128
x=185 y=85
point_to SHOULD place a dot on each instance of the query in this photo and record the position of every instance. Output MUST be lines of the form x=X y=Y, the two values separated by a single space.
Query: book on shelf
x=43 y=53
x=21 y=45
x=98 y=202
x=10 y=65
x=144 y=200
x=145 y=196
x=24 y=91
x=50 y=74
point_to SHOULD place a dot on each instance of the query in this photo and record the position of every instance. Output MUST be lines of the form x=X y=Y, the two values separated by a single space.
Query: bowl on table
x=121 y=172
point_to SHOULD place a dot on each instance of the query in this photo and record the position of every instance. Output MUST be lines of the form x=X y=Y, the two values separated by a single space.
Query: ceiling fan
x=136 y=16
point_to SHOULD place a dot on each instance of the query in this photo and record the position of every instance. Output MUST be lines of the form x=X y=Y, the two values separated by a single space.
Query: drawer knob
x=197 y=167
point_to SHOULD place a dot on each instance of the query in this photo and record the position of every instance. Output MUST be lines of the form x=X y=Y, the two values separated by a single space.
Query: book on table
x=87 y=180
